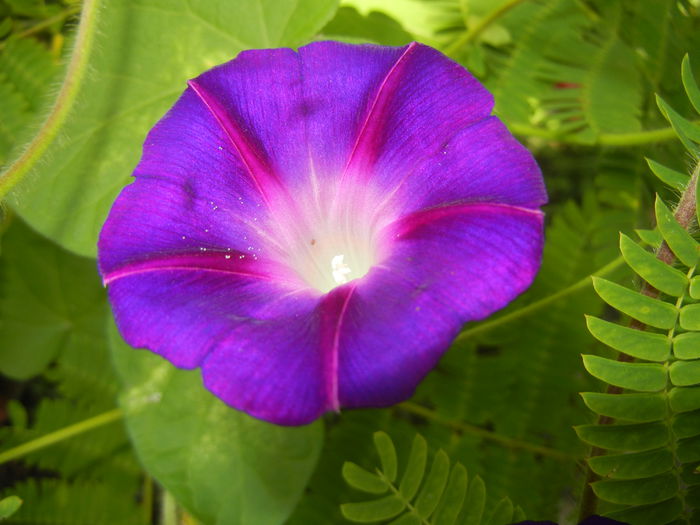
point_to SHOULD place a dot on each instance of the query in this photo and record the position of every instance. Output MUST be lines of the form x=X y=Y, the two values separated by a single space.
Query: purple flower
x=313 y=228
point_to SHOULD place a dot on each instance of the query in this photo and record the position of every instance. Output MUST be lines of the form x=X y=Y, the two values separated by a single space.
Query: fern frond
x=441 y=498
x=56 y=502
x=654 y=393
x=13 y=115
x=569 y=73
x=27 y=66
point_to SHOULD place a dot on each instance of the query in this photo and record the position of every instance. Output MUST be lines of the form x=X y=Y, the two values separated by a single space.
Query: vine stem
x=75 y=74
x=467 y=37
x=538 y=305
x=511 y=443
x=60 y=435
x=635 y=138
x=684 y=214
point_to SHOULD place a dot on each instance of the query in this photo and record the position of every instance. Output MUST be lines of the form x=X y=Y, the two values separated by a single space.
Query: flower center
x=329 y=237
x=334 y=259
x=340 y=270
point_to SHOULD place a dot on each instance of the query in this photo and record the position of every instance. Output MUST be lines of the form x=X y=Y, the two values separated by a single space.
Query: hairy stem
x=75 y=75
x=684 y=214
x=61 y=435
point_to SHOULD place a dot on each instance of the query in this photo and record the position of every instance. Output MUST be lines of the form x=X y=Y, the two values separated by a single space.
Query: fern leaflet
x=649 y=473
x=443 y=497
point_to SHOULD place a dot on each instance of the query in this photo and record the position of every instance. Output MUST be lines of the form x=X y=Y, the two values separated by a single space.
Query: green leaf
x=17 y=414
x=685 y=373
x=687 y=346
x=637 y=491
x=697 y=191
x=691 y=86
x=657 y=273
x=375 y=27
x=476 y=502
x=664 y=512
x=362 y=479
x=387 y=455
x=645 y=309
x=434 y=485
x=219 y=463
x=695 y=284
x=688 y=132
x=671 y=177
x=651 y=237
x=370 y=511
x=518 y=515
x=690 y=317
x=684 y=399
x=52 y=300
x=639 y=408
x=686 y=425
x=453 y=498
x=688 y=450
x=678 y=239
x=634 y=465
x=142 y=58
x=415 y=468
x=502 y=514
x=8 y=506
x=637 y=437
x=407 y=519
x=645 y=377
x=13 y=116
x=637 y=343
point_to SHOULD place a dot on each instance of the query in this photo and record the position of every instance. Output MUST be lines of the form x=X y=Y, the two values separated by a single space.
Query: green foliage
x=133 y=80
x=53 y=502
x=571 y=70
x=483 y=405
x=26 y=72
x=222 y=465
x=47 y=304
x=8 y=506
x=349 y=25
x=654 y=393
x=66 y=346
x=443 y=497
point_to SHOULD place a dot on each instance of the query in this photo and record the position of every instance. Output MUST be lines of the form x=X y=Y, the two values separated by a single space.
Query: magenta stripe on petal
x=232 y=263
x=406 y=225
x=257 y=169
x=333 y=309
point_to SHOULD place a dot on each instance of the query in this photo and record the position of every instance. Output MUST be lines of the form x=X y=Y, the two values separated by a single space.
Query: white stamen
x=339 y=269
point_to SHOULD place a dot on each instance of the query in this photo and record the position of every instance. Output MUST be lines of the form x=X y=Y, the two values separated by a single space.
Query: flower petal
x=336 y=104
x=425 y=97
x=200 y=196
x=480 y=163
x=450 y=265
x=284 y=370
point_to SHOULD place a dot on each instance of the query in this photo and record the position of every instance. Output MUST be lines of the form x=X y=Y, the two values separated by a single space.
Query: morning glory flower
x=312 y=228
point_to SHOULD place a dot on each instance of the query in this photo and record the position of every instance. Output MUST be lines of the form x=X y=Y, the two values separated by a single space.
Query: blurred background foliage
x=575 y=80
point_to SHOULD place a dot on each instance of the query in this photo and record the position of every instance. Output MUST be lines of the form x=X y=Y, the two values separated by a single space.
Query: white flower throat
x=330 y=238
